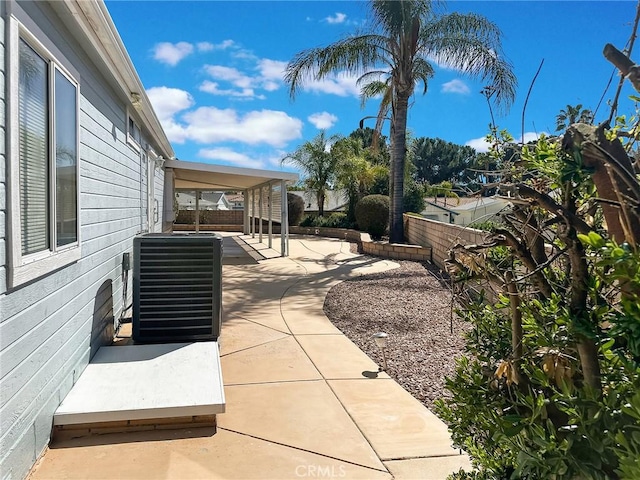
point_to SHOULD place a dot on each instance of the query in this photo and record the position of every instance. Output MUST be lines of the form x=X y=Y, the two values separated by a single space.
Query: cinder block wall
x=211 y=217
x=439 y=236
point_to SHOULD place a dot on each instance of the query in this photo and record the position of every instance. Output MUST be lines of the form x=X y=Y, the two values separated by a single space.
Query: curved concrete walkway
x=301 y=402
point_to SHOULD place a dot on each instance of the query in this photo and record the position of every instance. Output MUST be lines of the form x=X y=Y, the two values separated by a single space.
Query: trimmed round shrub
x=295 y=204
x=372 y=215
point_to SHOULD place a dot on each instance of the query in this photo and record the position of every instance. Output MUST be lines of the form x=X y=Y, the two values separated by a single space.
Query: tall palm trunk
x=320 y=196
x=398 y=156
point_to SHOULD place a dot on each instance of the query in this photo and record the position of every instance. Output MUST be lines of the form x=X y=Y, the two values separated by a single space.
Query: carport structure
x=264 y=194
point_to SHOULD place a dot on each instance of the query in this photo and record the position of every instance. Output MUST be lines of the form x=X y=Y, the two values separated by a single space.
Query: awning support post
x=270 y=213
x=260 y=207
x=245 y=212
x=284 y=219
x=253 y=213
x=197 y=211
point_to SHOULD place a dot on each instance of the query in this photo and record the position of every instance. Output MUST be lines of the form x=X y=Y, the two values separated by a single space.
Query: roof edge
x=103 y=37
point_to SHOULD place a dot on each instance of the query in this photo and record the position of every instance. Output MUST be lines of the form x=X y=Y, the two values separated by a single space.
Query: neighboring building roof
x=440 y=207
x=478 y=202
x=91 y=23
x=235 y=198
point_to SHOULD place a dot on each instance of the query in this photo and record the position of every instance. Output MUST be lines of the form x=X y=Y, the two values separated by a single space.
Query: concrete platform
x=303 y=401
x=140 y=382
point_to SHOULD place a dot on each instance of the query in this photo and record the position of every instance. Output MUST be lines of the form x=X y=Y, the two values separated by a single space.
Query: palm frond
x=354 y=55
x=422 y=72
x=471 y=44
x=396 y=18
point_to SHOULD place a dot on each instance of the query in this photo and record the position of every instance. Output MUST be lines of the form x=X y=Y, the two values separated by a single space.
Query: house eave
x=93 y=21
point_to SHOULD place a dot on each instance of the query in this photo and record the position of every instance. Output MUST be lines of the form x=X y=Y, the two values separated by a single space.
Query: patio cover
x=262 y=191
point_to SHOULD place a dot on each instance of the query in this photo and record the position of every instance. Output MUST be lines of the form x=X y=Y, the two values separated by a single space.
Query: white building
x=463 y=211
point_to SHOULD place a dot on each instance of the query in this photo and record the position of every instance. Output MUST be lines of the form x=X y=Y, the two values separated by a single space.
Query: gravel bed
x=413 y=306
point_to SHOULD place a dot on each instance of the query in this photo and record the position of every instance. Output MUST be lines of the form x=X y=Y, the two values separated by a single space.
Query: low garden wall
x=397 y=251
x=439 y=236
x=211 y=217
x=342 y=233
x=416 y=253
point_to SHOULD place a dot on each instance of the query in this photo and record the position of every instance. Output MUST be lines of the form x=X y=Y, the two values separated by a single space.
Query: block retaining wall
x=440 y=237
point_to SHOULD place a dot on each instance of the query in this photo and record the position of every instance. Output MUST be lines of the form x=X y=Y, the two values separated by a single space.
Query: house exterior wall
x=479 y=213
x=3 y=160
x=51 y=326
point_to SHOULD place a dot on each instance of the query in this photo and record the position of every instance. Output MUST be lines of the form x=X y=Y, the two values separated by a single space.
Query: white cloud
x=337 y=18
x=481 y=145
x=271 y=69
x=167 y=102
x=208 y=46
x=323 y=120
x=211 y=125
x=214 y=89
x=270 y=86
x=229 y=74
x=269 y=78
x=224 y=154
x=170 y=53
x=456 y=86
x=205 y=46
x=342 y=84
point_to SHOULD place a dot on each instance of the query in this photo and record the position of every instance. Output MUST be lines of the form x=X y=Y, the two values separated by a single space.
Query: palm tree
x=572 y=115
x=355 y=174
x=317 y=164
x=405 y=37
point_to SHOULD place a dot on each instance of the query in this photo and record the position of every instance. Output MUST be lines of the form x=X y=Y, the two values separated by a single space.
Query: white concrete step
x=146 y=384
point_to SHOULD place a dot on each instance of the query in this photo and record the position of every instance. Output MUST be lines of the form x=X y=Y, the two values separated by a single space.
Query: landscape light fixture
x=381 y=341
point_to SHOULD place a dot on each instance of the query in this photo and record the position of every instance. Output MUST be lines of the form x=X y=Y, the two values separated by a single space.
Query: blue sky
x=213 y=71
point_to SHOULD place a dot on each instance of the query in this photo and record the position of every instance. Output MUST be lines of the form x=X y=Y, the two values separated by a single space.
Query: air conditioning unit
x=177 y=287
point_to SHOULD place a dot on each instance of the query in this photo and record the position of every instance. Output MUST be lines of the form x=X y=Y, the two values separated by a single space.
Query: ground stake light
x=381 y=341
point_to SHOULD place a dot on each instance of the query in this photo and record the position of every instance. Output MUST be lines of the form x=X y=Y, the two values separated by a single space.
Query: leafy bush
x=295 y=204
x=486 y=225
x=413 y=199
x=372 y=215
x=548 y=386
x=335 y=220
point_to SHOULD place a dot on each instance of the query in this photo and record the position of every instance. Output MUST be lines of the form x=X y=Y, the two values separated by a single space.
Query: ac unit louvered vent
x=177 y=287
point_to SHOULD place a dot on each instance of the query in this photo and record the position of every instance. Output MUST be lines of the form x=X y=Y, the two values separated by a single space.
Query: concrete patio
x=300 y=400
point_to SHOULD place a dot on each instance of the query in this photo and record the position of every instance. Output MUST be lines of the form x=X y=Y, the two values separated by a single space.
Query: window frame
x=25 y=268
x=132 y=141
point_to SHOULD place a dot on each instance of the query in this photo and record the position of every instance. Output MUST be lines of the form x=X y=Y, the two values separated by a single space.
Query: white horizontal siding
x=47 y=326
x=3 y=172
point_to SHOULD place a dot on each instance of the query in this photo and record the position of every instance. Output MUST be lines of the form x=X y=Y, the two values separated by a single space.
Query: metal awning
x=263 y=190
x=192 y=176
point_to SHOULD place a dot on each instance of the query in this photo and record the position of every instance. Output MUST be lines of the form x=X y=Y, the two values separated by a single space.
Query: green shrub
x=372 y=215
x=413 y=199
x=335 y=220
x=308 y=221
x=295 y=204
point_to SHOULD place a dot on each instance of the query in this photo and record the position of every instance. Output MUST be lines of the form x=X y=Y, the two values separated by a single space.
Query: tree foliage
x=437 y=160
x=317 y=164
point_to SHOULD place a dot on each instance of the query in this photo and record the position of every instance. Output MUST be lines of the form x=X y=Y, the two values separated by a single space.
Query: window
x=44 y=152
x=134 y=137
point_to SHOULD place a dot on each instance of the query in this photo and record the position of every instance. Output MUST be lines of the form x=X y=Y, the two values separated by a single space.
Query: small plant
x=295 y=204
x=372 y=215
